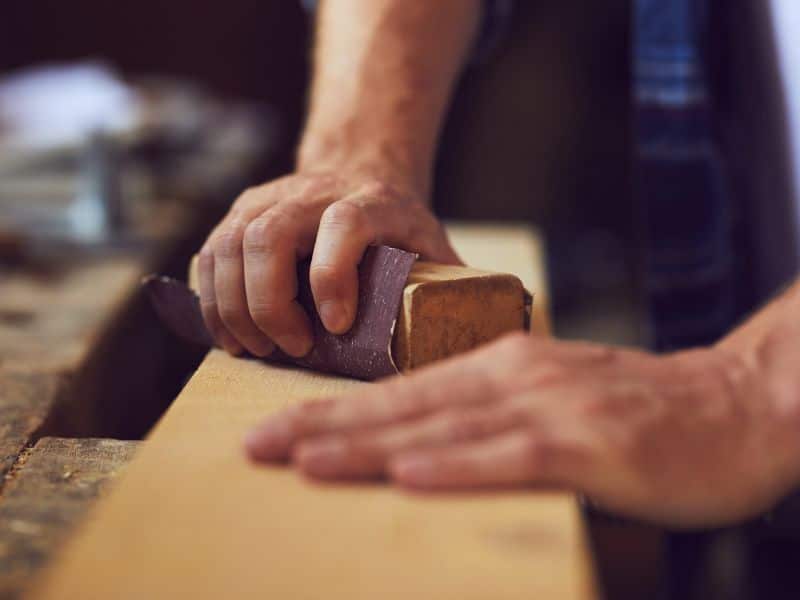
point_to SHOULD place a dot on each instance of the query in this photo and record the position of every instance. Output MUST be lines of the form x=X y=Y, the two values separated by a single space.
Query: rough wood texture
x=25 y=402
x=513 y=249
x=70 y=329
x=47 y=494
x=192 y=518
x=53 y=311
x=77 y=319
x=447 y=310
x=49 y=320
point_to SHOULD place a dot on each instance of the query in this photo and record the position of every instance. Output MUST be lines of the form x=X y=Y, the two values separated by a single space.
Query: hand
x=687 y=439
x=247 y=272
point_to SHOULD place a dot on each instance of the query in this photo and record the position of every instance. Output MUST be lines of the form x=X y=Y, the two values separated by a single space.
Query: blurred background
x=119 y=104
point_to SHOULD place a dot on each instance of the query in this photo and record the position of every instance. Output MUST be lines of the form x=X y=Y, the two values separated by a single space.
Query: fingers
x=520 y=457
x=248 y=284
x=459 y=383
x=208 y=304
x=362 y=455
x=436 y=246
x=247 y=206
x=487 y=375
x=251 y=294
x=229 y=287
x=345 y=230
x=375 y=214
x=272 y=243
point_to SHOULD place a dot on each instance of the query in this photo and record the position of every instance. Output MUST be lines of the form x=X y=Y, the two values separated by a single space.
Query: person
x=706 y=434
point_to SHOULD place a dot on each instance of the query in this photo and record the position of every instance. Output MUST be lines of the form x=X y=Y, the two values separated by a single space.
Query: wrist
x=769 y=393
x=352 y=151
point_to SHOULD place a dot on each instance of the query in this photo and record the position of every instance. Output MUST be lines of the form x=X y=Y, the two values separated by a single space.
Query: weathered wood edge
x=49 y=490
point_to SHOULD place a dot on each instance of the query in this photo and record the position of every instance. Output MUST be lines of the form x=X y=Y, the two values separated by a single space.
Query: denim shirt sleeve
x=494 y=26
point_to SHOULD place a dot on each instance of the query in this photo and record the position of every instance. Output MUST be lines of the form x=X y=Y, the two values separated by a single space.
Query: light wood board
x=192 y=518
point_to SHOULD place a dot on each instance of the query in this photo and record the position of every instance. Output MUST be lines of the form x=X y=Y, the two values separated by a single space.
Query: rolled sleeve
x=495 y=23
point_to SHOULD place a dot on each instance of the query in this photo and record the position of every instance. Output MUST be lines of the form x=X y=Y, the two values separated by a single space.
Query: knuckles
x=247 y=197
x=548 y=373
x=353 y=213
x=379 y=190
x=326 y=280
x=228 y=242
x=264 y=315
x=346 y=214
x=462 y=427
x=232 y=318
x=536 y=452
x=256 y=236
x=518 y=347
x=264 y=233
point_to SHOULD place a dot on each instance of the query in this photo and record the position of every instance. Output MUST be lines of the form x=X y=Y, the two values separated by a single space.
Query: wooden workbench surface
x=67 y=325
x=198 y=520
x=48 y=492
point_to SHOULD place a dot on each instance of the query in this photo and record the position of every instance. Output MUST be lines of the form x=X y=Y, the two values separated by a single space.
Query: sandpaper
x=364 y=352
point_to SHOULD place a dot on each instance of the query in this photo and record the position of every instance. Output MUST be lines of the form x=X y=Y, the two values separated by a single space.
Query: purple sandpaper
x=364 y=352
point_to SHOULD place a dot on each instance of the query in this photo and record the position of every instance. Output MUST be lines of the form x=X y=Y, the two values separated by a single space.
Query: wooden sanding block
x=410 y=313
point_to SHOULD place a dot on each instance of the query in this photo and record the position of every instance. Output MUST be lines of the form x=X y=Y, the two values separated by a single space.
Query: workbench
x=83 y=360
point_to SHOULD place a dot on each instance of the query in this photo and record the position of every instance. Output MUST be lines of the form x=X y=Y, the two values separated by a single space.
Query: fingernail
x=322 y=458
x=294 y=345
x=416 y=470
x=333 y=316
x=270 y=440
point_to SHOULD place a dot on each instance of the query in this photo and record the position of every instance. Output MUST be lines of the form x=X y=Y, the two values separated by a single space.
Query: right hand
x=247 y=272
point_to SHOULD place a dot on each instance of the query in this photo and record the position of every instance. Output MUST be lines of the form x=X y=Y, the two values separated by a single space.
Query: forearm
x=384 y=73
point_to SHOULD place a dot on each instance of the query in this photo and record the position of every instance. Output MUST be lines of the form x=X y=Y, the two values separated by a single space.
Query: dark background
x=537 y=126
x=243 y=49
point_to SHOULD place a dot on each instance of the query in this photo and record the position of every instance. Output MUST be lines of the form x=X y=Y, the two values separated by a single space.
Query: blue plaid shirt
x=679 y=178
x=679 y=183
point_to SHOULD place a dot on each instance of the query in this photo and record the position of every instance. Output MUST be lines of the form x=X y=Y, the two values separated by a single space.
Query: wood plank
x=192 y=518
x=46 y=496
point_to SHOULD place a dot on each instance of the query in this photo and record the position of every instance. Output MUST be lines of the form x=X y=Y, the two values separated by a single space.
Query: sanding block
x=410 y=313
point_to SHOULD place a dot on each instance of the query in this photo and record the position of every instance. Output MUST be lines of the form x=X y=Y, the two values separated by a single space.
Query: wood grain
x=192 y=518
x=447 y=310
x=25 y=403
x=509 y=248
x=48 y=493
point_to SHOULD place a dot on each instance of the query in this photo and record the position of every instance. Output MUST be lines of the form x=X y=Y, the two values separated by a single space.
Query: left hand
x=687 y=439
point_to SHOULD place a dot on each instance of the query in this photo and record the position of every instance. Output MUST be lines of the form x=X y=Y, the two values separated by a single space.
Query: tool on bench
x=410 y=313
